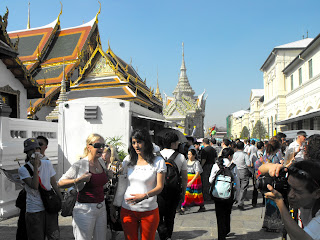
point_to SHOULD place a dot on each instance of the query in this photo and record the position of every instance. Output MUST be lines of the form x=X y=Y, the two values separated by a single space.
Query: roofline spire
x=183 y=50
x=98 y=12
x=60 y=13
x=28 y=24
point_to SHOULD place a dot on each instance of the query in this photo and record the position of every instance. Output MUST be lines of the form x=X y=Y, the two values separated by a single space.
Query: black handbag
x=69 y=200
x=51 y=201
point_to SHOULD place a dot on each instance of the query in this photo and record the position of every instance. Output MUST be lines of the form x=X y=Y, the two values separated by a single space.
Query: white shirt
x=46 y=171
x=142 y=179
x=246 y=148
x=215 y=169
x=313 y=227
x=294 y=147
x=180 y=160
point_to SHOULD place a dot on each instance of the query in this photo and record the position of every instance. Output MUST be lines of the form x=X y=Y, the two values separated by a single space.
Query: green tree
x=118 y=144
x=259 y=131
x=244 y=133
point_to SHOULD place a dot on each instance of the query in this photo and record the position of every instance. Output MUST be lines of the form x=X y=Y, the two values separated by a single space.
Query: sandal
x=181 y=211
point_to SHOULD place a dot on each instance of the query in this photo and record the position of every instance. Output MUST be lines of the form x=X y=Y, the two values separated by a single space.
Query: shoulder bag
x=121 y=187
x=51 y=201
x=69 y=200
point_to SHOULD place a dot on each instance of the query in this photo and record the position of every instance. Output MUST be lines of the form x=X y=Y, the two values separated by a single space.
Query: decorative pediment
x=8 y=89
x=101 y=68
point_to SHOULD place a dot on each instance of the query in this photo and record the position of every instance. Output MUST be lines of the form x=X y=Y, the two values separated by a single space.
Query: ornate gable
x=101 y=68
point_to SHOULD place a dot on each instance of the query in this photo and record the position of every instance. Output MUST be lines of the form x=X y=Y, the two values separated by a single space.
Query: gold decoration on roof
x=126 y=69
x=42 y=89
x=38 y=53
x=98 y=40
x=28 y=24
x=128 y=78
x=98 y=12
x=32 y=109
x=15 y=46
x=4 y=20
x=60 y=13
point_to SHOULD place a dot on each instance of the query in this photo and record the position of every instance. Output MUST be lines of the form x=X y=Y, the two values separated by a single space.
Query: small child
x=194 y=187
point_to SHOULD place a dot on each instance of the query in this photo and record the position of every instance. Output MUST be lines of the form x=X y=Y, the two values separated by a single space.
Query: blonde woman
x=88 y=176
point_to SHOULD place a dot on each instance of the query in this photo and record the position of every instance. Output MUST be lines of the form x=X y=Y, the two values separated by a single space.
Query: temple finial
x=183 y=49
x=60 y=12
x=98 y=12
x=28 y=24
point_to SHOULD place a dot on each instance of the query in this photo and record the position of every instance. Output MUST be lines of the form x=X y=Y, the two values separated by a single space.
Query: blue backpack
x=222 y=188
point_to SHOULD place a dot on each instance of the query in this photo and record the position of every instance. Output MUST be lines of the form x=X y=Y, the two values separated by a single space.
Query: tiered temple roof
x=88 y=70
x=9 y=56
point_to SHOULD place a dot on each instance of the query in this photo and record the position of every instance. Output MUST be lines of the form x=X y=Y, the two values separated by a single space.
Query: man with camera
x=304 y=193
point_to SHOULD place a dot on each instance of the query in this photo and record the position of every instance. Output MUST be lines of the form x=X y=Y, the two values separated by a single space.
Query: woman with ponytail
x=224 y=207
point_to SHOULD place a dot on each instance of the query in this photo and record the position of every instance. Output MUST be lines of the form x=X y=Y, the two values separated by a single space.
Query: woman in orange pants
x=145 y=172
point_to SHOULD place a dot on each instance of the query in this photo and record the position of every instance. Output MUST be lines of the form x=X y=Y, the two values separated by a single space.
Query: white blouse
x=142 y=179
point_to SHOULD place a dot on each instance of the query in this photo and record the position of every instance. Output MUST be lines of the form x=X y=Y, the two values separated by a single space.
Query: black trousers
x=167 y=211
x=223 y=212
x=205 y=181
x=22 y=229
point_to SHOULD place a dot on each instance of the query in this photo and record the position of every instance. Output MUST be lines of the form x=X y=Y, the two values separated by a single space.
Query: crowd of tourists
x=141 y=194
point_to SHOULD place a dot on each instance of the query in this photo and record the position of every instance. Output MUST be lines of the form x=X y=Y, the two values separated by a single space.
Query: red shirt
x=93 y=190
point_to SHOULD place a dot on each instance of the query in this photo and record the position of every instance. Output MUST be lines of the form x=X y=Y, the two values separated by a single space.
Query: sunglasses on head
x=303 y=174
x=97 y=145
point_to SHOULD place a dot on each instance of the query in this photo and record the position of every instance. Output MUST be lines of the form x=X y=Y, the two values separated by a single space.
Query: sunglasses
x=303 y=174
x=40 y=144
x=97 y=145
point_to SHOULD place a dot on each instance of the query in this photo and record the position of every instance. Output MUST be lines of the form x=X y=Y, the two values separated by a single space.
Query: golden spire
x=60 y=13
x=98 y=12
x=28 y=24
x=158 y=94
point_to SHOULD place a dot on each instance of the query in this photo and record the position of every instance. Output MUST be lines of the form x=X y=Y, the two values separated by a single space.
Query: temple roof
x=33 y=43
x=88 y=70
x=9 y=56
x=115 y=78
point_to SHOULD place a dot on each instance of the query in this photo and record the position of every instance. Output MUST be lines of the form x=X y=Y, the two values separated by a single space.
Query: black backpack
x=222 y=188
x=172 y=182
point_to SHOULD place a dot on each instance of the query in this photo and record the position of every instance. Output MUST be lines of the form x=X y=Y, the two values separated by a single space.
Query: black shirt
x=210 y=154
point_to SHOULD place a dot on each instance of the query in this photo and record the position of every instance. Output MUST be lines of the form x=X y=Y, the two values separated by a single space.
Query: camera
x=279 y=183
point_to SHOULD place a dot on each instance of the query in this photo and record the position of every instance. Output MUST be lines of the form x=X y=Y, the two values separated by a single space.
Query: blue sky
x=226 y=42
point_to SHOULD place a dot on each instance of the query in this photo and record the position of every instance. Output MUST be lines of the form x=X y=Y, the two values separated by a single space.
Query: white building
x=290 y=99
x=302 y=84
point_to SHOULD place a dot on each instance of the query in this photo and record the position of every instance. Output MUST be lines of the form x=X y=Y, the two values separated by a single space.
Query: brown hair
x=273 y=146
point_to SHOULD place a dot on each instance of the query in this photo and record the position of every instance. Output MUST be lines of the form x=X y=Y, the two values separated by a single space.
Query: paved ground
x=245 y=225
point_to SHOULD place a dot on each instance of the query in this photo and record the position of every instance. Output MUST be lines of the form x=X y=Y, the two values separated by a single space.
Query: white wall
x=7 y=78
x=13 y=132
